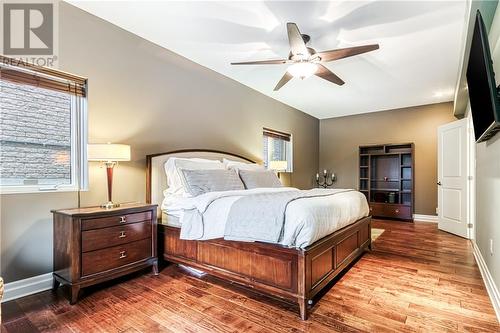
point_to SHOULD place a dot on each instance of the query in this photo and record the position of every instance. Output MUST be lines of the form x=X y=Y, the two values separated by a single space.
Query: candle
x=324 y=172
x=333 y=176
x=317 y=176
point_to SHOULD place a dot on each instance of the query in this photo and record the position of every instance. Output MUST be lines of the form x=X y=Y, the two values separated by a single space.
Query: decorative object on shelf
x=110 y=155
x=327 y=181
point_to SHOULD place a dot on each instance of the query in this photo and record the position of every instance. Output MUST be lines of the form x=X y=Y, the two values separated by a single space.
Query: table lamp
x=109 y=154
x=278 y=166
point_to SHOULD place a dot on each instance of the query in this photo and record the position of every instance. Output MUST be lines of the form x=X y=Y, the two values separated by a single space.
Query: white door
x=452 y=177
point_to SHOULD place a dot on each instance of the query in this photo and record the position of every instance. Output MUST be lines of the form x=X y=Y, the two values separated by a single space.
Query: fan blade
x=286 y=77
x=328 y=75
x=297 y=45
x=261 y=62
x=347 y=52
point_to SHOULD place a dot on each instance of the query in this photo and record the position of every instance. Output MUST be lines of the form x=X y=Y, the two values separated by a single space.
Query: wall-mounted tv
x=484 y=96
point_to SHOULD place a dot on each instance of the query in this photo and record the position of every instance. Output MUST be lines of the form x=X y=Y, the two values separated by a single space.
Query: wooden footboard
x=292 y=274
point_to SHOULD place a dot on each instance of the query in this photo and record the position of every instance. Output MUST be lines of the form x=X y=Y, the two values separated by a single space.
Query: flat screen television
x=483 y=93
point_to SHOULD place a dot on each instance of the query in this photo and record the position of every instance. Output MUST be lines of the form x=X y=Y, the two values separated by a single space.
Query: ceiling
x=417 y=63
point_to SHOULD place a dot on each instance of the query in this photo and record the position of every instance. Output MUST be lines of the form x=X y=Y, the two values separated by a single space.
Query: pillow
x=255 y=179
x=235 y=165
x=203 y=181
x=174 y=164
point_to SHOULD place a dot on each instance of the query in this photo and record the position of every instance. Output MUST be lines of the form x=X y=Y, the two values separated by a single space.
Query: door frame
x=471 y=178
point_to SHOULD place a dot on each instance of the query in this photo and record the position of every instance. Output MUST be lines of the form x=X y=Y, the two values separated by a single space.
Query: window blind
x=276 y=134
x=43 y=77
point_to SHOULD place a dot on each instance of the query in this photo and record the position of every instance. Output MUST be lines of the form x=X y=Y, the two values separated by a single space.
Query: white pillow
x=259 y=179
x=175 y=180
x=235 y=165
x=202 y=181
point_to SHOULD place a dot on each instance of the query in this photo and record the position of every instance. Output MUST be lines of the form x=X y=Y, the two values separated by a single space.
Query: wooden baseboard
x=27 y=286
x=425 y=218
x=488 y=280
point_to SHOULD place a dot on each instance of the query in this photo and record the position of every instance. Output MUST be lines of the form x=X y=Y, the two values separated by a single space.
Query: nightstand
x=92 y=245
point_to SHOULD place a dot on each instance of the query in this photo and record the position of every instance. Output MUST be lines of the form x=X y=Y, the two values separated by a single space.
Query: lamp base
x=109 y=205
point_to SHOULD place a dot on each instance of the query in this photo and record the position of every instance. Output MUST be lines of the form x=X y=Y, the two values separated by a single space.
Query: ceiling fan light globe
x=302 y=70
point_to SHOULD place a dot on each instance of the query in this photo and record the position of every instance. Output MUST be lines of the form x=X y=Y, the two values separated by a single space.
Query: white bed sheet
x=306 y=220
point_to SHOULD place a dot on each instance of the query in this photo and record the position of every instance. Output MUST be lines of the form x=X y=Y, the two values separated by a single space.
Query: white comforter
x=306 y=220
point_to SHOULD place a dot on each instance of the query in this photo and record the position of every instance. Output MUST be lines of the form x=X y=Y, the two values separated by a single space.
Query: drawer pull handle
x=123 y=254
x=122 y=234
x=397 y=210
x=123 y=219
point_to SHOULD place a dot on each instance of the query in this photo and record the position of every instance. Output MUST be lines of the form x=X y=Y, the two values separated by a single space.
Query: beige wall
x=341 y=137
x=156 y=101
x=488 y=179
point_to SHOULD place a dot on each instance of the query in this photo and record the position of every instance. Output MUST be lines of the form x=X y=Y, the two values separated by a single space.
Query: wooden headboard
x=156 y=179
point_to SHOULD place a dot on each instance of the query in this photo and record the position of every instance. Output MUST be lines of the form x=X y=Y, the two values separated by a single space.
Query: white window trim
x=79 y=165
x=82 y=137
x=291 y=154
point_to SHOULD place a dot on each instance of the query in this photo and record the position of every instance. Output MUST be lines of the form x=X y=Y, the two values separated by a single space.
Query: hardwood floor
x=416 y=279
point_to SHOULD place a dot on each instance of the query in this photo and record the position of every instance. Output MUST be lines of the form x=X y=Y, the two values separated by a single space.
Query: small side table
x=93 y=244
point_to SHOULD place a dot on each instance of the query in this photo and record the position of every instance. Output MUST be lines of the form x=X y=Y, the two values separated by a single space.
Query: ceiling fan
x=305 y=61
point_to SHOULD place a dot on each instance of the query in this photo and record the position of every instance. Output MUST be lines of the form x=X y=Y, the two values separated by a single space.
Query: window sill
x=33 y=190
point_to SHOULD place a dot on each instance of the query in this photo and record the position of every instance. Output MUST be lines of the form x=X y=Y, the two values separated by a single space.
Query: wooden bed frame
x=291 y=274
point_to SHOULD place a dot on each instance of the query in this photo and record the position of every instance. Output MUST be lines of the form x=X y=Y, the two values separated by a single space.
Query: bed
x=295 y=274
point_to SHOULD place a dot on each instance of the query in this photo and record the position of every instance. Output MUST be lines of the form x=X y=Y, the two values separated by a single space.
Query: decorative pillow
x=173 y=166
x=255 y=179
x=235 y=165
x=202 y=181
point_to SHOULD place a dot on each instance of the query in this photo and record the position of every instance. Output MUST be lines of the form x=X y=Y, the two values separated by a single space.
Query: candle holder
x=327 y=181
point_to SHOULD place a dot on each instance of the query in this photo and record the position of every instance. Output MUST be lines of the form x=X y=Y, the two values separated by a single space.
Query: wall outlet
x=437 y=211
x=491 y=246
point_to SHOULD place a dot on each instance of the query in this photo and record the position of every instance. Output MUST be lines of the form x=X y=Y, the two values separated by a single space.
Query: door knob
x=439 y=183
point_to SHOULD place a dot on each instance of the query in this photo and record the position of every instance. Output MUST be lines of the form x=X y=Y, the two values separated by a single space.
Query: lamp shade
x=278 y=165
x=108 y=152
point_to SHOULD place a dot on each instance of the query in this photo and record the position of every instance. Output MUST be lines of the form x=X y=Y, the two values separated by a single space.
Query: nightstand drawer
x=114 y=257
x=111 y=221
x=101 y=238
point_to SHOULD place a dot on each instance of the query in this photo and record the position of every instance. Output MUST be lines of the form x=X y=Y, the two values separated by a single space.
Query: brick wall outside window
x=35 y=135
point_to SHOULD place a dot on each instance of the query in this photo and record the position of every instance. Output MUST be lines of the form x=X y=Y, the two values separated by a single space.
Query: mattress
x=306 y=220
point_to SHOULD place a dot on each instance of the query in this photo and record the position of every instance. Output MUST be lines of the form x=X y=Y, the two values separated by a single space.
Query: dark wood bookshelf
x=386 y=178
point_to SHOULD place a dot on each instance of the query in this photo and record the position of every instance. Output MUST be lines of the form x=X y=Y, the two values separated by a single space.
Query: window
x=42 y=129
x=277 y=147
